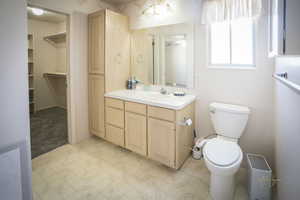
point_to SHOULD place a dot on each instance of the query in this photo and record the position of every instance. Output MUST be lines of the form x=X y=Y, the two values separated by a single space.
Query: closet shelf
x=30 y=73
x=55 y=74
x=56 y=38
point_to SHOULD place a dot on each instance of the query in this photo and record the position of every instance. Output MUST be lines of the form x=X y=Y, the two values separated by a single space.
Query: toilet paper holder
x=186 y=122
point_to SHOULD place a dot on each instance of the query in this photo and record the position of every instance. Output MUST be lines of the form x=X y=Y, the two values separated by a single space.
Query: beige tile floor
x=97 y=170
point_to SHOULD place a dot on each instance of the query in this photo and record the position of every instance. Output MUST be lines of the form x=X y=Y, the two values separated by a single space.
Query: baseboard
x=55 y=106
x=63 y=107
x=44 y=108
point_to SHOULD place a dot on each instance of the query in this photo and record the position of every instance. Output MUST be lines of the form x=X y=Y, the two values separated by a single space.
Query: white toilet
x=222 y=154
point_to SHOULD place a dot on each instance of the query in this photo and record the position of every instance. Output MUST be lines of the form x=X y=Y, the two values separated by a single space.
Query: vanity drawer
x=114 y=117
x=161 y=113
x=114 y=103
x=115 y=135
x=136 y=108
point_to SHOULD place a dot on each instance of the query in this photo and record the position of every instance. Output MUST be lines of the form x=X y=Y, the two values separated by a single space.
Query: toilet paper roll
x=188 y=122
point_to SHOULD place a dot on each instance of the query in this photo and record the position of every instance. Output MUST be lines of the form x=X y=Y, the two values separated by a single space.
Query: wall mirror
x=163 y=55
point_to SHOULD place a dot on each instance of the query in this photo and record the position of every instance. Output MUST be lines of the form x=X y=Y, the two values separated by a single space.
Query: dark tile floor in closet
x=48 y=130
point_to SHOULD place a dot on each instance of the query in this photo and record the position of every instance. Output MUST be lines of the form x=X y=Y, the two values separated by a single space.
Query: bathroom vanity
x=145 y=122
x=151 y=124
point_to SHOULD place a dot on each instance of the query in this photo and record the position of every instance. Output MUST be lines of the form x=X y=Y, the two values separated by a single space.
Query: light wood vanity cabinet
x=114 y=118
x=161 y=113
x=136 y=133
x=161 y=141
x=184 y=134
x=115 y=135
x=114 y=103
x=136 y=127
x=151 y=131
x=170 y=142
x=109 y=65
x=136 y=108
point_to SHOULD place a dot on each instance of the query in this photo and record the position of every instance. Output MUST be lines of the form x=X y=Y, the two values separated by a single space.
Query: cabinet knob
x=118 y=58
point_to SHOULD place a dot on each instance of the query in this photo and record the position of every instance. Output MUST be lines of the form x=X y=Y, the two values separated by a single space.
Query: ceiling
x=47 y=16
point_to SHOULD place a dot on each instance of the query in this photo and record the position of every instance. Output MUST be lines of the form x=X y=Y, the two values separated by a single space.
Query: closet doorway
x=47 y=77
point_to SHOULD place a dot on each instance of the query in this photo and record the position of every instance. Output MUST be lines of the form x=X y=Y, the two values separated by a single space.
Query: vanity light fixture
x=158 y=7
x=37 y=11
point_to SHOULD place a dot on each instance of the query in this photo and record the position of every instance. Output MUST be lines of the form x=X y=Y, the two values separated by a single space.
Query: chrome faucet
x=132 y=82
x=163 y=91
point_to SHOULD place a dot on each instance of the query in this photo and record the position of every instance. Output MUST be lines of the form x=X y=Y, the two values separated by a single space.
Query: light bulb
x=37 y=11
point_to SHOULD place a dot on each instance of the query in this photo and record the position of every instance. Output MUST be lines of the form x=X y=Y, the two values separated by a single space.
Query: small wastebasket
x=259 y=177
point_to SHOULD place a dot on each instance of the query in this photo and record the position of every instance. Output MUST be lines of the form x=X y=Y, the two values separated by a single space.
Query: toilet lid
x=222 y=152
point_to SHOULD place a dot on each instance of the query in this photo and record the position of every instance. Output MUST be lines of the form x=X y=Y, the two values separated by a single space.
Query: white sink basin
x=153 y=98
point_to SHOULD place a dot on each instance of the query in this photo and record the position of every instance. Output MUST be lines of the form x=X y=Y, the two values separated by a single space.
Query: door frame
x=70 y=122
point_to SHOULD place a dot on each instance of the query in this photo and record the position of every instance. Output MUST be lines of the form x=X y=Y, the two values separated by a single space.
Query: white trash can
x=259 y=177
x=197 y=153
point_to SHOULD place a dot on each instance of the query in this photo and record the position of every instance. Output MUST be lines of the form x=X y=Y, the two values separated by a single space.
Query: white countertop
x=153 y=98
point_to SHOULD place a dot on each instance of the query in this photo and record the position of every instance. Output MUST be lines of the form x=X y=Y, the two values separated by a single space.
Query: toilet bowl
x=223 y=155
x=223 y=162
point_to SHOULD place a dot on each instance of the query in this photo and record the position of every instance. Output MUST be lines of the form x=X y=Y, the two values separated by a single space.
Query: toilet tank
x=229 y=120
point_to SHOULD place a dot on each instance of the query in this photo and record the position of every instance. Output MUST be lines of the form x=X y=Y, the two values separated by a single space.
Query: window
x=232 y=43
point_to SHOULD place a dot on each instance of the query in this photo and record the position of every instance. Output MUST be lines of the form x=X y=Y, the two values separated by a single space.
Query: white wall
x=14 y=103
x=252 y=88
x=287 y=134
x=78 y=78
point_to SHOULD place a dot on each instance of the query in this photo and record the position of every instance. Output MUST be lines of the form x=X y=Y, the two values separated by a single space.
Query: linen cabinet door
x=117 y=51
x=136 y=133
x=161 y=141
x=96 y=31
x=96 y=105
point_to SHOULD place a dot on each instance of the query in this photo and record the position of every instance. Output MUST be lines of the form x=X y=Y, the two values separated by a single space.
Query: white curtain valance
x=222 y=10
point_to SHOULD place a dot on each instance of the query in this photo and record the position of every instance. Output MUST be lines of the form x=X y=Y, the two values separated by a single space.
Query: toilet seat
x=221 y=152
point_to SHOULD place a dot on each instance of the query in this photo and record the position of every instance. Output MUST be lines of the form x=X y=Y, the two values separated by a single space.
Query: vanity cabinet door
x=96 y=105
x=136 y=133
x=115 y=135
x=161 y=141
x=114 y=117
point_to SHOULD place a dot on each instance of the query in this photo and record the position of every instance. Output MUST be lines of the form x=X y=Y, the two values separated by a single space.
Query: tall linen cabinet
x=109 y=62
